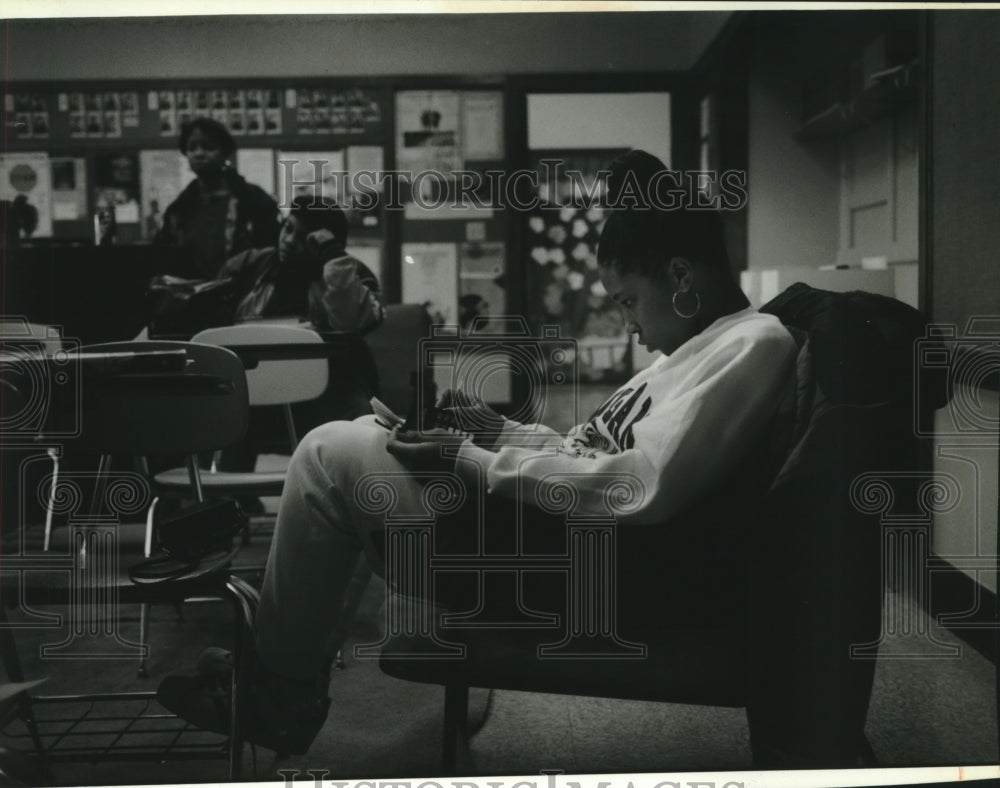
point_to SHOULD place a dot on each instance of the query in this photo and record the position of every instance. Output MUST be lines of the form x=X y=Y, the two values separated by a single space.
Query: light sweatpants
x=318 y=536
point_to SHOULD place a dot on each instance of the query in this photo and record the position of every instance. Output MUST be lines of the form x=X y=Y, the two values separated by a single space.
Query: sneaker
x=277 y=714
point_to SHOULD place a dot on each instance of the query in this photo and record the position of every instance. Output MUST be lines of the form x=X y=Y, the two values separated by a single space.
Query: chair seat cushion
x=265 y=483
x=683 y=666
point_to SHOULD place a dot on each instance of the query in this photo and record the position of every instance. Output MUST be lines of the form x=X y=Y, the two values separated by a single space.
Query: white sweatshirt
x=672 y=431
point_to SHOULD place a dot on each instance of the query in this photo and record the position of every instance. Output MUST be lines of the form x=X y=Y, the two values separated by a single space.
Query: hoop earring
x=678 y=312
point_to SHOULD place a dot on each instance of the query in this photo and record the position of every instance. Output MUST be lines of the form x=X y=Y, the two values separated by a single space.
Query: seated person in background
x=219 y=213
x=680 y=427
x=308 y=274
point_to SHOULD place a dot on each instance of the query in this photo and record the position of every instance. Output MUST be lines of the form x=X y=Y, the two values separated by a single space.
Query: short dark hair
x=316 y=215
x=643 y=239
x=210 y=128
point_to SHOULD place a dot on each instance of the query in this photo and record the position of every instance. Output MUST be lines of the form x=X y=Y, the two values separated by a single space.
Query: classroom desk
x=97 y=294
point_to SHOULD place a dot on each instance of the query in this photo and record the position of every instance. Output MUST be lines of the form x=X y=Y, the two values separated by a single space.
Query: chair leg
x=456 y=711
x=147 y=547
x=53 y=453
x=244 y=598
x=353 y=595
x=143 y=670
x=12 y=666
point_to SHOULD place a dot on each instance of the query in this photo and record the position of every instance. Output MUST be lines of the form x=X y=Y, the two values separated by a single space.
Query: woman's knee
x=336 y=441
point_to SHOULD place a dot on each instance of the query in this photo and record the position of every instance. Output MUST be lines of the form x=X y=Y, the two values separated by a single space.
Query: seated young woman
x=678 y=427
x=307 y=274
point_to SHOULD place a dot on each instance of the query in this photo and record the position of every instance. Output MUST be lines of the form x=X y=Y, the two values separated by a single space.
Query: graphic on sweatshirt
x=609 y=430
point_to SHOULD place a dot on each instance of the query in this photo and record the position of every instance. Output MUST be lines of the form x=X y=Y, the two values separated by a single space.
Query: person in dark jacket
x=219 y=213
x=309 y=274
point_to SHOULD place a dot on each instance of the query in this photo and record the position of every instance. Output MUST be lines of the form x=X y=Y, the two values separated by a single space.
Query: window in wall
x=708 y=144
x=584 y=132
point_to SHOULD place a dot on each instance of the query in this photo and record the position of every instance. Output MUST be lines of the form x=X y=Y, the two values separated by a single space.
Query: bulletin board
x=76 y=149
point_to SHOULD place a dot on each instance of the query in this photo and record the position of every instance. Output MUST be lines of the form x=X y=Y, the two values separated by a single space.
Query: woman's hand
x=317 y=239
x=424 y=451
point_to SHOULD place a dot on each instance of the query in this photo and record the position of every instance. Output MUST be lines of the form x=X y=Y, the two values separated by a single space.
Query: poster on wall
x=430 y=277
x=69 y=188
x=257 y=166
x=482 y=285
x=370 y=254
x=26 y=181
x=164 y=174
x=428 y=130
x=482 y=125
x=116 y=183
x=301 y=172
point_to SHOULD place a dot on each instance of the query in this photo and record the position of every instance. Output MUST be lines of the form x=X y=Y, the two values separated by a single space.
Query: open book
x=435 y=419
x=385 y=416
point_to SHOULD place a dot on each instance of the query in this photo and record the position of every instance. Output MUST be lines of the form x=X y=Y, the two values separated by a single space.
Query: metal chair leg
x=12 y=666
x=456 y=711
x=244 y=598
x=143 y=671
x=54 y=454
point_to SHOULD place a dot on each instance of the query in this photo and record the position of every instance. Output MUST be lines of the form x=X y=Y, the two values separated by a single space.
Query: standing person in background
x=218 y=214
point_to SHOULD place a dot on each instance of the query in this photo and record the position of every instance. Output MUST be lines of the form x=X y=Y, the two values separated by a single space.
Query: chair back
x=817 y=554
x=395 y=348
x=202 y=408
x=23 y=382
x=275 y=381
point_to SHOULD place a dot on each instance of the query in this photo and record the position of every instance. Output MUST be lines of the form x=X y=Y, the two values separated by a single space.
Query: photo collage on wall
x=242 y=111
x=31 y=115
x=101 y=114
x=323 y=111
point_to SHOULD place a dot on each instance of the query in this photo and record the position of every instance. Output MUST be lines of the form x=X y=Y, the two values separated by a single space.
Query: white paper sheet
x=430 y=276
x=367 y=159
x=428 y=130
x=257 y=166
x=482 y=125
x=163 y=174
x=297 y=176
x=69 y=188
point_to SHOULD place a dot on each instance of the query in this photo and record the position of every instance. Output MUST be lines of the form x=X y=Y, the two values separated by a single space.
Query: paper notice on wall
x=482 y=285
x=26 y=179
x=69 y=189
x=430 y=277
x=428 y=130
x=312 y=174
x=257 y=166
x=163 y=175
x=482 y=125
x=364 y=167
x=117 y=184
x=370 y=255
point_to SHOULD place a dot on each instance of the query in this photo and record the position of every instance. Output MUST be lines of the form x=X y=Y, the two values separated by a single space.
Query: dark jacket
x=331 y=289
x=252 y=221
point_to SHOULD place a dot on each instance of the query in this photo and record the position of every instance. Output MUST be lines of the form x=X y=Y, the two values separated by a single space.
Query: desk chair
x=197 y=407
x=18 y=334
x=271 y=380
x=788 y=638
